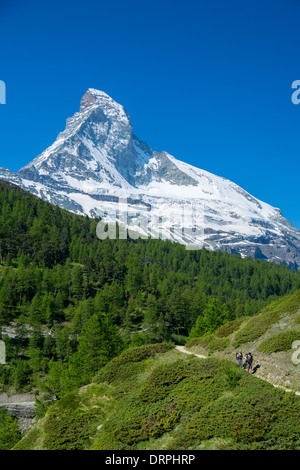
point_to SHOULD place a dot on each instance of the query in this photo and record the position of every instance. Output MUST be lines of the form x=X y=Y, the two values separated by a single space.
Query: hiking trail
x=185 y=351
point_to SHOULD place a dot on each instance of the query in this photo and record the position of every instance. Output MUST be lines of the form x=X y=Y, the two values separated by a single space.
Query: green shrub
x=280 y=342
x=29 y=440
x=250 y=415
x=9 y=431
x=227 y=328
x=170 y=391
x=232 y=376
x=209 y=342
x=271 y=314
x=202 y=341
x=161 y=380
x=135 y=430
x=288 y=304
x=140 y=353
x=69 y=431
x=256 y=327
x=179 y=339
x=242 y=418
x=69 y=424
x=297 y=320
x=130 y=363
x=174 y=405
x=218 y=344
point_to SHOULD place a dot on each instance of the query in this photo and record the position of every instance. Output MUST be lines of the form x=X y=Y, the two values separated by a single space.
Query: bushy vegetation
x=255 y=328
x=227 y=329
x=162 y=397
x=175 y=402
x=250 y=423
x=82 y=308
x=9 y=430
x=209 y=342
x=259 y=324
x=280 y=342
x=129 y=364
x=69 y=426
x=76 y=302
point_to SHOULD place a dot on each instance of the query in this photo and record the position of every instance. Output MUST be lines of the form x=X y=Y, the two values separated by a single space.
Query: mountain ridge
x=98 y=158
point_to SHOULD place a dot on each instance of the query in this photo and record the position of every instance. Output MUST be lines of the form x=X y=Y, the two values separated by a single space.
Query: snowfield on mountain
x=98 y=167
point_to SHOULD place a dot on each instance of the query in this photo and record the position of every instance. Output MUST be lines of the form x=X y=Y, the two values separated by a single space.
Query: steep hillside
x=70 y=303
x=269 y=335
x=155 y=397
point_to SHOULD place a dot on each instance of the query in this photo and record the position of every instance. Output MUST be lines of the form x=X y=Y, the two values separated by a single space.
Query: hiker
x=239 y=358
x=249 y=360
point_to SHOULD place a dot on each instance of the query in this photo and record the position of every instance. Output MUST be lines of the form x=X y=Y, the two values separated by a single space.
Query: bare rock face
x=24 y=414
x=97 y=161
x=22 y=407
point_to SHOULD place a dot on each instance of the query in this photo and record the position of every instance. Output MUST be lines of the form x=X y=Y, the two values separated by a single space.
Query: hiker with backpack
x=239 y=358
x=249 y=361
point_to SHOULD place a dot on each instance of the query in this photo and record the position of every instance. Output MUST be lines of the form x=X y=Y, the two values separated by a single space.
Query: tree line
x=86 y=299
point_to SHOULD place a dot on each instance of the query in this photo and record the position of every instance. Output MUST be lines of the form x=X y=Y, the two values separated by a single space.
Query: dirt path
x=185 y=351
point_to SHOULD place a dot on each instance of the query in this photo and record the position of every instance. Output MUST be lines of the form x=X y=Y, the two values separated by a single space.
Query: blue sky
x=207 y=81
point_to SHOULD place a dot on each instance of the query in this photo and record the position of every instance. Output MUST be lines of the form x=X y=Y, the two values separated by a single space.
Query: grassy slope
x=269 y=335
x=155 y=397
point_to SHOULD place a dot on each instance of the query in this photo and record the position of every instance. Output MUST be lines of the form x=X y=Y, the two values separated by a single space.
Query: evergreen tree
x=214 y=315
x=9 y=431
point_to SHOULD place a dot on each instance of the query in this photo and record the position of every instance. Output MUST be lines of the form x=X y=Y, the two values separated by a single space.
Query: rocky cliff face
x=21 y=406
x=98 y=167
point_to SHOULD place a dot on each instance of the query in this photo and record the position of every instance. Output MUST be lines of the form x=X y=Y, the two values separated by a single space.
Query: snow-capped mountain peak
x=98 y=161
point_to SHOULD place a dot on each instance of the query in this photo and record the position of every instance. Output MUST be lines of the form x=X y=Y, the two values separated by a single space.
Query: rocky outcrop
x=23 y=411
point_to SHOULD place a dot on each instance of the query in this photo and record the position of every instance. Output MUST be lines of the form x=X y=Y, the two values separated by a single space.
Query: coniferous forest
x=74 y=302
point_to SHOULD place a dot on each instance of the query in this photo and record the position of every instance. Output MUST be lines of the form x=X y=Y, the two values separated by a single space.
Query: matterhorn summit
x=98 y=167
